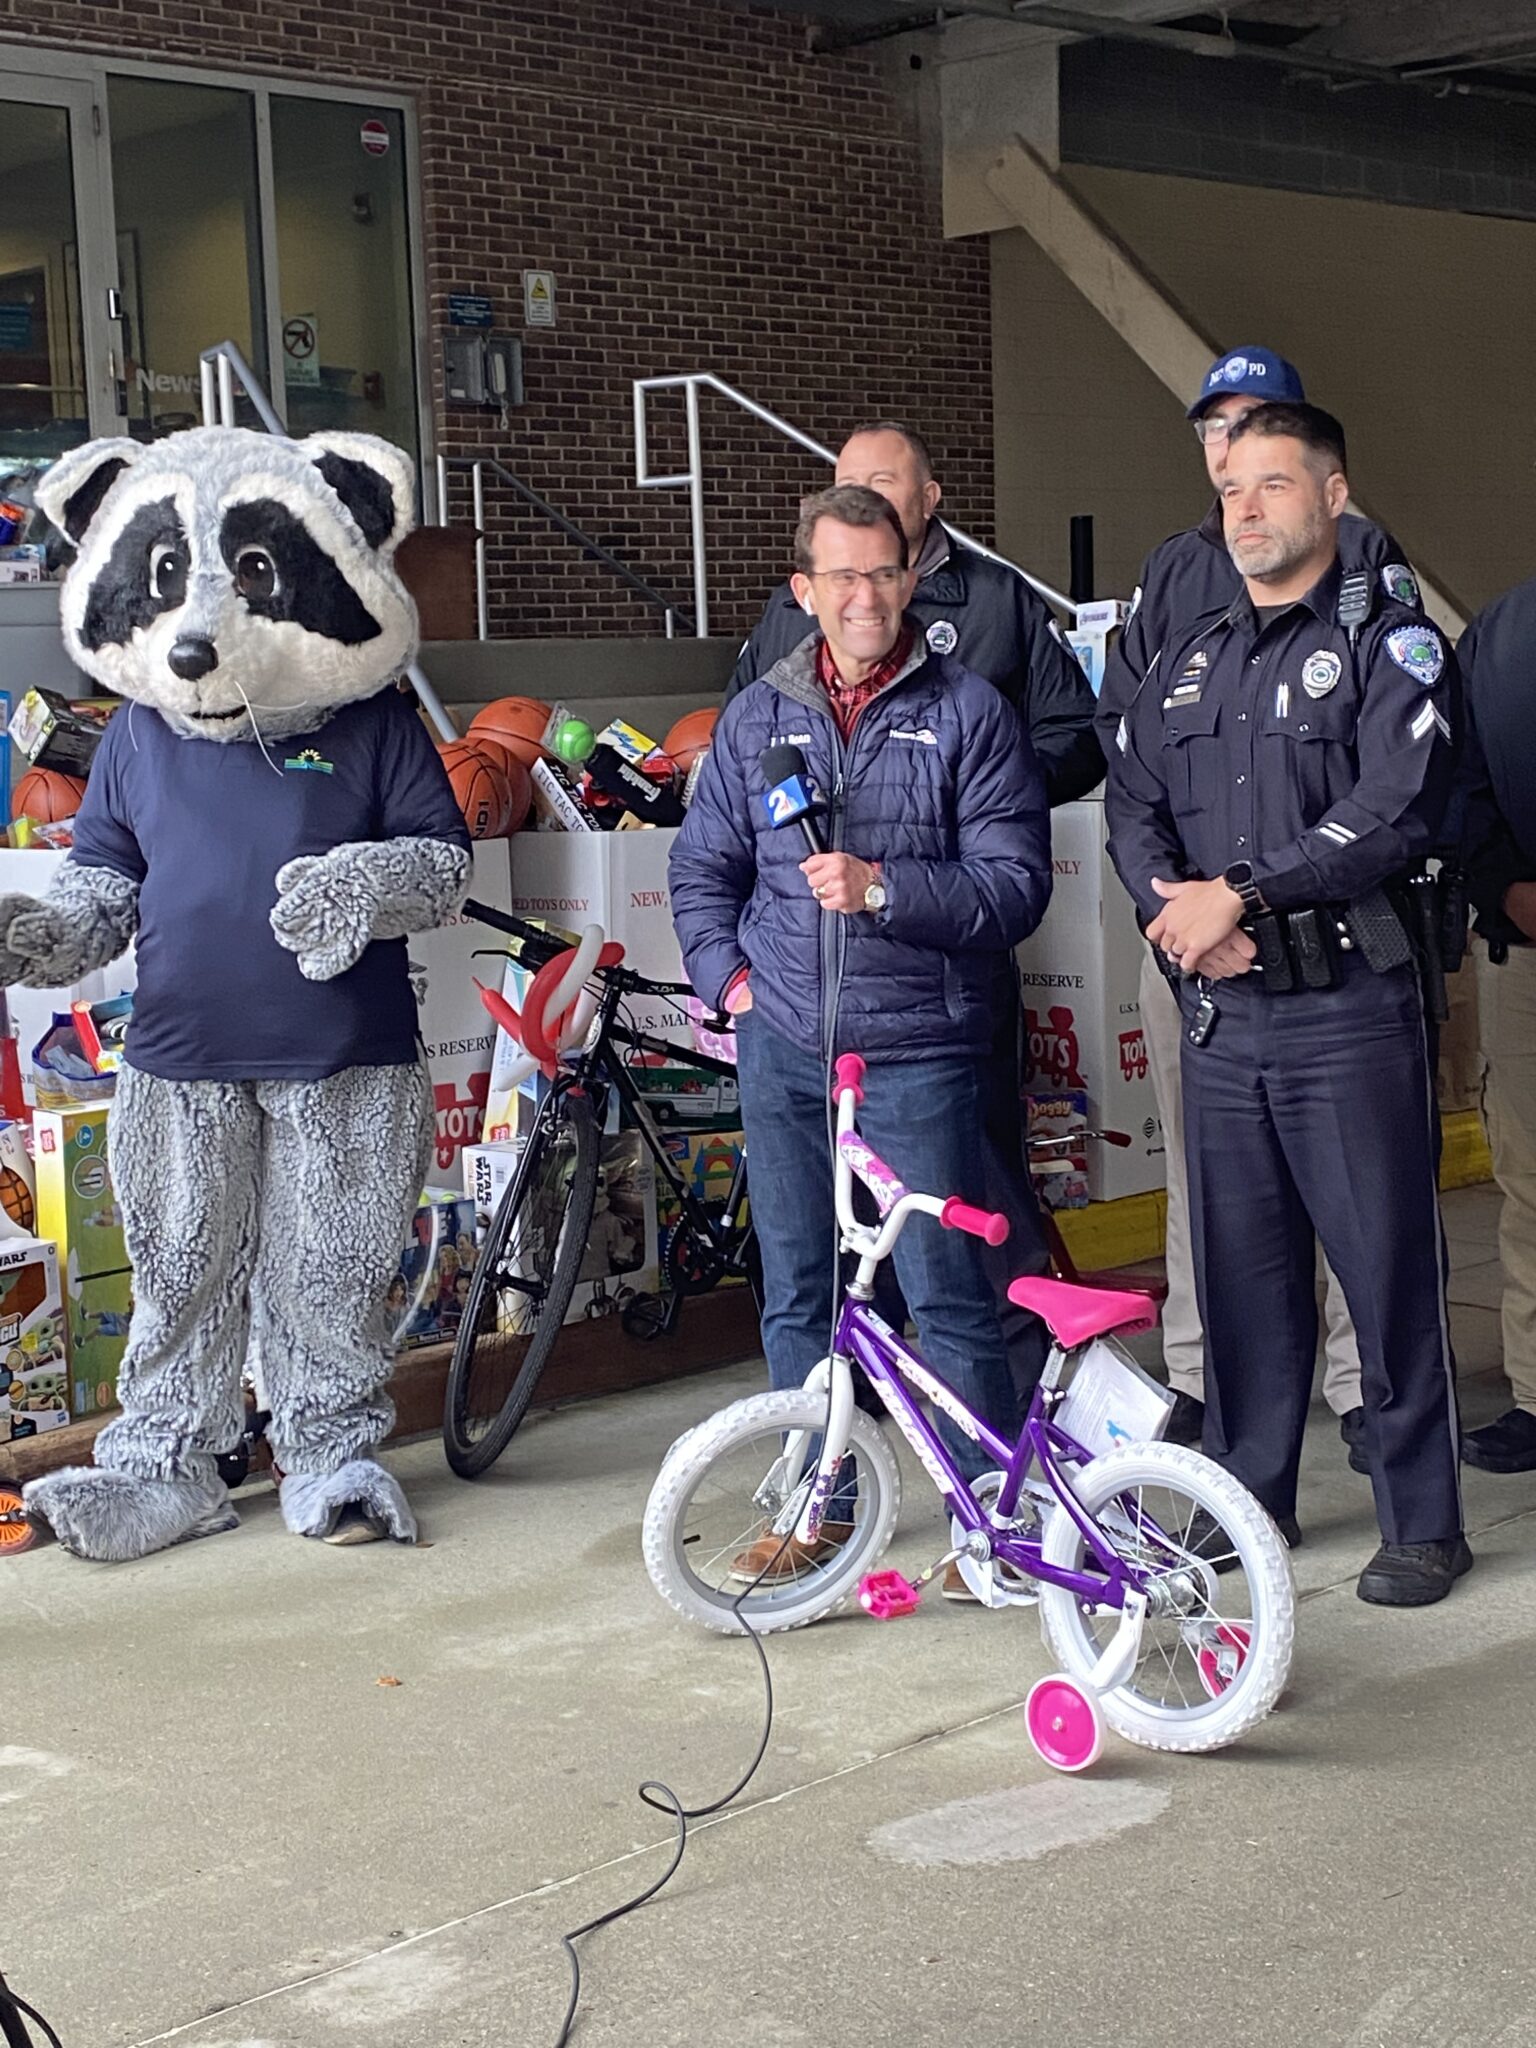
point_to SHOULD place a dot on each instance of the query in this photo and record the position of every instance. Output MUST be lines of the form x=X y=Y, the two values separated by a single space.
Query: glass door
x=59 y=379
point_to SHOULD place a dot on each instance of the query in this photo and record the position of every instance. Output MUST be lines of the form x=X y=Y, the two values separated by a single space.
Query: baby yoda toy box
x=34 y=1373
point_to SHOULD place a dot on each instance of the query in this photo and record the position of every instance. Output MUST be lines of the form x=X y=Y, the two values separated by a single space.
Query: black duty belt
x=1304 y=948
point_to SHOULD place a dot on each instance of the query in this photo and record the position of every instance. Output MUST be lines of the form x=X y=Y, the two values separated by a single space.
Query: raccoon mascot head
x=239 y=583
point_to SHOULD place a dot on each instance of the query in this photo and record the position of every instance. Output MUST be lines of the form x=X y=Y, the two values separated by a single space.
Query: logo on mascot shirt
x=313 y=761
x=1133 y=1055
x=1052 y=1051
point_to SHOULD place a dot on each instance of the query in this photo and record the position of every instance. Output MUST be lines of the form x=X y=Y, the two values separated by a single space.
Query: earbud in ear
x=807 y=606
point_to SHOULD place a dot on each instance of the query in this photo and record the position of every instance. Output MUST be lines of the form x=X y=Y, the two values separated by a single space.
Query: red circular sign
x=375 y=138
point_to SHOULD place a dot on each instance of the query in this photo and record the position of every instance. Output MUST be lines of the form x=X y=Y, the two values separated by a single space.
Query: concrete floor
x=220 y=1828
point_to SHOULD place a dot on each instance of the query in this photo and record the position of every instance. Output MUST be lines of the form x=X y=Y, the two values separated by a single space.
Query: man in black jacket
x=1497 y=787
x=980 y=611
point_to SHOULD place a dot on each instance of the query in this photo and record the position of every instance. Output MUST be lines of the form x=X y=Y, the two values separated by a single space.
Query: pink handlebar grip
x=982 y=1223
x=850 y=1074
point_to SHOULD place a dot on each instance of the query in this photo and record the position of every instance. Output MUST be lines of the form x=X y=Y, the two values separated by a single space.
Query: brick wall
x=709 y=196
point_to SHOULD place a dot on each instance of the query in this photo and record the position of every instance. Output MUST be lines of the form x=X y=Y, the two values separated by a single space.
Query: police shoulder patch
x=1400 y=584
x=1418 y=651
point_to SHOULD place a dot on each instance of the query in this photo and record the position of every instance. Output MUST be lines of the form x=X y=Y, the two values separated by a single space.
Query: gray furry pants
x=268 y=1212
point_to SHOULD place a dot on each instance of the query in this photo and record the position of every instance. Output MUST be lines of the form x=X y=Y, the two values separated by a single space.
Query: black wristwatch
x=1239 y=878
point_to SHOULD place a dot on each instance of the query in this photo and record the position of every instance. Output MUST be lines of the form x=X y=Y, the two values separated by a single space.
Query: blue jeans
x=924 y=1118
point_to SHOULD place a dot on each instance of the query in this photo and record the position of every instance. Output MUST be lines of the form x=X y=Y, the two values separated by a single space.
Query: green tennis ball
x=575 y=740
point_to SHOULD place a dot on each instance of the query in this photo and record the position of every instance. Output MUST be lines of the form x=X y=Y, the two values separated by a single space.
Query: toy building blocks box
x=76 y=1205
x=705 y=1160
x=34 y=1371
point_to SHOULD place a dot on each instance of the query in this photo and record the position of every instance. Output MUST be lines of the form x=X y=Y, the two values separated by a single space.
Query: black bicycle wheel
x=524 y=1279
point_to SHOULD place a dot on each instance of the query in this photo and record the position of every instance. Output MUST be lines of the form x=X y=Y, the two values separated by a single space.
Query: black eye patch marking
x=310 y=589
x=122 y=596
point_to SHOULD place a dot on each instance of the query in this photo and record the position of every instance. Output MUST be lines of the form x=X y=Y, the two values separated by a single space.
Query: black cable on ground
x=14 y=2012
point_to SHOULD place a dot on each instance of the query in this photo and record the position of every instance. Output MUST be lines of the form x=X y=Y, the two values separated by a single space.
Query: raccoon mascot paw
x=113 y=1517
x=269 y=819
x=358 y=1504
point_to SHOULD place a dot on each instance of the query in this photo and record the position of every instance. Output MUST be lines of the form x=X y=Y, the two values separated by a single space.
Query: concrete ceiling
x=1461 y=41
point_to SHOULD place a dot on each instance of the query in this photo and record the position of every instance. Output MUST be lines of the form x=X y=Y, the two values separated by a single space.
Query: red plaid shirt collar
x=847 y=700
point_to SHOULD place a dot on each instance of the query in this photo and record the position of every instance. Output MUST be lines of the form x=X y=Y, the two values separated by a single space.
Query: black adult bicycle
x=529 y=1265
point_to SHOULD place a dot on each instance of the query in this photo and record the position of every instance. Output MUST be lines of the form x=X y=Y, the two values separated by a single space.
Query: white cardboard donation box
x=617 y=880
x=456 y=1029
x=1080 y=975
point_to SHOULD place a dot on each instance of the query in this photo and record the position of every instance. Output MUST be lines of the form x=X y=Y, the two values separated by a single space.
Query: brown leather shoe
x=774 y=1562
x=954 y=1586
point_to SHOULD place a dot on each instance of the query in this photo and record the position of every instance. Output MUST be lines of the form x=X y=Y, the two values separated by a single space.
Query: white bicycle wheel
x=1215 y=1649
x=715 y=1496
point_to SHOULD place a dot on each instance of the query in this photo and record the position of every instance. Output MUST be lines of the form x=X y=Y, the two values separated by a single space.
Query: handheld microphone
x=625 y=783
x=792 y=798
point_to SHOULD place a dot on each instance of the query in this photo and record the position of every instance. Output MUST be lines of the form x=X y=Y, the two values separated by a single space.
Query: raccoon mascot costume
x=267 y=819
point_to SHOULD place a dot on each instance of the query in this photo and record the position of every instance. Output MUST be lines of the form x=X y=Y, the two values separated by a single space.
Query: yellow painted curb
x=1123 y=1233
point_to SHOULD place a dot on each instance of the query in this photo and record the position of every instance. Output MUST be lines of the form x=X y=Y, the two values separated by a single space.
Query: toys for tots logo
x=1053 y=1053
x=459 y=1117
x=1133 y=1055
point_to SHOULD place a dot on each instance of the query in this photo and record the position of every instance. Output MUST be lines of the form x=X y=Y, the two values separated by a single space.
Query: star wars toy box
x=426 y=1299
x=620 y=1258
x=34 y=1369
x=77 y=1208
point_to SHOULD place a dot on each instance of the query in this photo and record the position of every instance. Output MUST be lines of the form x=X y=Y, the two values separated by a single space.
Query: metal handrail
x=219 y=367
x=477 y=465
x=692 y=479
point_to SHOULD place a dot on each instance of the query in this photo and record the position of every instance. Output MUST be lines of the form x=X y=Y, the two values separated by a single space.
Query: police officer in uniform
x=1184 y=578
x=1282 y=768
x=982 y=612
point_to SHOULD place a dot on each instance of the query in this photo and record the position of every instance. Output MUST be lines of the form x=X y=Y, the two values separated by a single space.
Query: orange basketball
x=690 y=737
x=516 y=723
x=47 y=796
x=519 y=782
x=480 y=787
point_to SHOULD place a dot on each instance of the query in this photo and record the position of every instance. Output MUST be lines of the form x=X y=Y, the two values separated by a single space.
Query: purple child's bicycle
x=1165 y=1590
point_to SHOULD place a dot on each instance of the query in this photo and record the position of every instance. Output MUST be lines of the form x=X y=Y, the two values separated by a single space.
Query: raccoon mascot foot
x=358 y=1504
x=114 y=1517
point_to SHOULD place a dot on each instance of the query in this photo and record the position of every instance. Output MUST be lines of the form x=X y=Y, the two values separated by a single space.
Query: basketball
x=47 y=796
x=519 y=783
x=690 y=737
x=480 y=787
x=516 y=723
x=17 y=1200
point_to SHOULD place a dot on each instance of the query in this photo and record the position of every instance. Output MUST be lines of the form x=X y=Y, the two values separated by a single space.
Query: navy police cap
x=1249 y=373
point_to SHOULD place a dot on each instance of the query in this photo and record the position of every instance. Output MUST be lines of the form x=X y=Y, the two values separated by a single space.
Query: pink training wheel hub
x=1221 y=1657
x=884 y=1595
x=1064 y=1723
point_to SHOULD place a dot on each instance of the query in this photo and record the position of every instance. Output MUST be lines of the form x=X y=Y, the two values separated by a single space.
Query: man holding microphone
x=889 y=942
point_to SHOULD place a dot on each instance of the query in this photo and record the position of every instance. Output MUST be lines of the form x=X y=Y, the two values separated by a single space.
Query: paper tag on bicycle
x=1111 y=1401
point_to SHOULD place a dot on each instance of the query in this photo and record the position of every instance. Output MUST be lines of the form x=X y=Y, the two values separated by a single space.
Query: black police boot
x=1508 y=1445
x=1414 y=1574
x=1352 y=1430
x=1208 y=1539
x=1186 y=1420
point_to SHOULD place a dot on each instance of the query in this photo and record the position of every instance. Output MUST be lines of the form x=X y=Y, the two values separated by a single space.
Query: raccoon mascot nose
x=190 y=659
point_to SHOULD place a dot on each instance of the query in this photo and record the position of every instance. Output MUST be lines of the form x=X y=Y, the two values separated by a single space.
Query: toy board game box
x=426 y=1298
x=620 y=1258
x=34 y=1371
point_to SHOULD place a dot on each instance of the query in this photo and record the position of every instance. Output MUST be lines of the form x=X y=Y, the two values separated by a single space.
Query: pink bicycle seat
x=1074 y=1314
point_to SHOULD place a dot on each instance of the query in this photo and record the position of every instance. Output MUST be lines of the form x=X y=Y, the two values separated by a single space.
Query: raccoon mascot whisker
x=273 y=1119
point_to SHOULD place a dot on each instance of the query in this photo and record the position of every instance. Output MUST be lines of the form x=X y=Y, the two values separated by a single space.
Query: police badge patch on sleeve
x=942 y=637
x=1320 y=671
x=1400 y=584
x=1419 y=652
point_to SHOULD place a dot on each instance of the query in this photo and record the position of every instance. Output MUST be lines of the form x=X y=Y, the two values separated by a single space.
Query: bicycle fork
x=801 y=1511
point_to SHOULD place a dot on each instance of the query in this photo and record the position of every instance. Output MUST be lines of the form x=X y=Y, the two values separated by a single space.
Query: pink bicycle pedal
x=884 y=1595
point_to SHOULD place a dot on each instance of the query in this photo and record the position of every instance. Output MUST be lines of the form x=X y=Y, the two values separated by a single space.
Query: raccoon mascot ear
x=71 y=492
x=375 y=481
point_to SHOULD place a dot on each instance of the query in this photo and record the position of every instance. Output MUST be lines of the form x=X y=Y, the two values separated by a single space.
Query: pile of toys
x=525 y=763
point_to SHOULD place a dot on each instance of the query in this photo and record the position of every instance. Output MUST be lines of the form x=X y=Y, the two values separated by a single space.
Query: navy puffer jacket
x=939 y=784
